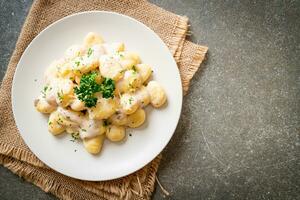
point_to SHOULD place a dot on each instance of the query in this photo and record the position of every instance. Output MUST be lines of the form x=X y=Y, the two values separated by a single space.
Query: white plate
x=116 y=159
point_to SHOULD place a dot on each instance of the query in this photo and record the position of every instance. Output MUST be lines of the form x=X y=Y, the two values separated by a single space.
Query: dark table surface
x=238 y=137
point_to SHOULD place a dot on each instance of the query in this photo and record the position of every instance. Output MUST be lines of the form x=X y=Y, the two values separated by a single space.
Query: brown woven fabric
x=15 y=155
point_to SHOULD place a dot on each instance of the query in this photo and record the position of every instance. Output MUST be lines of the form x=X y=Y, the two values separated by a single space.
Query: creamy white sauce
x=55 y=88
x=107 y=55
x=51 y=72
x=110 y=68
x=111 y=48
x=72 y=116
x=73 y=51
x=87 y=128
x=96 y=52
x=109 y=58
x=68 y=113
x=141 y=95
x=91 y=128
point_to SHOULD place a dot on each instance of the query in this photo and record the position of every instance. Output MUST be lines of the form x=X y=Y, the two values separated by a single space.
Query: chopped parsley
x=75 y=136
x=90 y=51
x=60 y=121
x=49 y=123
x=44 y=91
x=83 y=129
x=120 y=54
x=130 y=100
x=107 y=88
x=122 y=71
x=77 y=63
x=88 y=87
x=134 y=68
x=60 y=95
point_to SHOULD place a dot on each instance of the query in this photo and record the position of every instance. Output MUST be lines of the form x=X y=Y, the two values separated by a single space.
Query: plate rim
x=133 y=169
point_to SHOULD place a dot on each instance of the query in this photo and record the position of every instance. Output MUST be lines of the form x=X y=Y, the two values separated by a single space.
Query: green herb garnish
x=90 y=51
x=134 y=68
x=75 y=136
x=44 y=91
x=60 y=121
x=122 y=71
x=120 y=54
x=88 y=87
x=77 y=63
x=60 y=95
x=130 y=100
x=49 y=123
x=107 y=88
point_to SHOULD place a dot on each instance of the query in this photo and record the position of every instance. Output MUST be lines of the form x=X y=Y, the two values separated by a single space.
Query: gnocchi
x=96 y=91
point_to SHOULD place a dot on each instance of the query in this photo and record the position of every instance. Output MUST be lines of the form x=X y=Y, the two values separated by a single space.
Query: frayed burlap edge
x=180 y=32
x=189 y=66
x=20 y=154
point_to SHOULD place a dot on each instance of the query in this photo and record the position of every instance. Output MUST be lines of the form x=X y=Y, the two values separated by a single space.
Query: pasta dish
x=96 y=91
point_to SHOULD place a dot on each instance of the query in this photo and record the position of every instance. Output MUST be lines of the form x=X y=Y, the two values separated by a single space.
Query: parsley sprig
x=107 y=88
x=88 y=87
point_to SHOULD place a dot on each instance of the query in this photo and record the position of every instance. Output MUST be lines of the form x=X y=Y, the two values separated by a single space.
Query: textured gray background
x=238 y=137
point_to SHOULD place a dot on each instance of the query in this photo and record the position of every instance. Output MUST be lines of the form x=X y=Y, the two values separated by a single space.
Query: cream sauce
x=86 y=127
x=109 y=59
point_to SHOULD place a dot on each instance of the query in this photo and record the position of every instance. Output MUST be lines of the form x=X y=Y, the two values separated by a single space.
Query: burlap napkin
x=15 y=155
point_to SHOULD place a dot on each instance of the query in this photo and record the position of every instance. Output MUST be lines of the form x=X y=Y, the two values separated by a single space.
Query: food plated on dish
x=96 y=91
x=140 y=145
